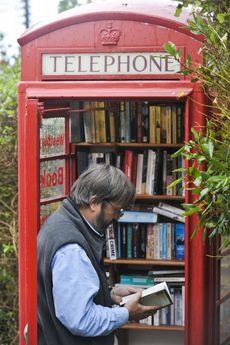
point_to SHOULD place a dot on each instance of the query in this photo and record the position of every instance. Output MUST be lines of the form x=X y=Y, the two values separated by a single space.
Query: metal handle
x=25 y=333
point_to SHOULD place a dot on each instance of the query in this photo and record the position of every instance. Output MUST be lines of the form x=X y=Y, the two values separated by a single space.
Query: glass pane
x=52 y=136
x=52 y=178
x=46 y=210
x=224 y=321
x=225 y=276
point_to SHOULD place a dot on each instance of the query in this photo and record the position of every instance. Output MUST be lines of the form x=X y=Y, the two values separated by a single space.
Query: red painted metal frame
x=196 y=261
x=28 y=216
x=77 y=30
x=196 y=292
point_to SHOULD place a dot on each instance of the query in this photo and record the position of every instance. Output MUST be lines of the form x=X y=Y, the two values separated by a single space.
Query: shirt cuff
x=121 y=315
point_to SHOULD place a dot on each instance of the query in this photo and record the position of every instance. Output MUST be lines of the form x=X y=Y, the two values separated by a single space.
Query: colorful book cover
x=179 y=241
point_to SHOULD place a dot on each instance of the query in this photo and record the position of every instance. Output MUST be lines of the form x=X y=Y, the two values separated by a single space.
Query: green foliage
x=65 y=5
x=208 y=153
x=9 y=76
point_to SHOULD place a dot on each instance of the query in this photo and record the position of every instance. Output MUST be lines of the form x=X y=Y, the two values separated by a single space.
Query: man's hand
x=138 y=311
x=120 y=291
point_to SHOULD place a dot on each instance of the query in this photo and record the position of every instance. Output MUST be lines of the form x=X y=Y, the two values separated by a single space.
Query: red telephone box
x=98 y=52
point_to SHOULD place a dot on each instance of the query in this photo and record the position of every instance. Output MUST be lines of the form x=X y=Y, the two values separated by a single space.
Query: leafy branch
x=208 y=152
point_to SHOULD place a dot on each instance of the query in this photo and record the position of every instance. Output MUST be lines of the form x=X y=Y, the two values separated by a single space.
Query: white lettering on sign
x=109 y=63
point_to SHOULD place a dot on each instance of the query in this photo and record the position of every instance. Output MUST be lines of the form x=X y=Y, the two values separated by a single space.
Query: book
x=89 y=123
x=128 y=162
x=179 y=241
x=151 y=168
x=145 y=122
x=165 y=272
x=140 y=157
x=171 y=208
x=169 y=279
x=136 y=279
x=111 y=243
x=156 y=295
x=138 y=217
x=127 y=123
x=168 y=214
x=152 y=124
x=136 y=240
x=150 y=242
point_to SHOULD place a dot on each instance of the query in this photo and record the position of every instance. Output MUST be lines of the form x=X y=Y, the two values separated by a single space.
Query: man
x=74 y=301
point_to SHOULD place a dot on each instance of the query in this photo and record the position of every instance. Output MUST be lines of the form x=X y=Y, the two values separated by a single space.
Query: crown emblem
x=109 y=36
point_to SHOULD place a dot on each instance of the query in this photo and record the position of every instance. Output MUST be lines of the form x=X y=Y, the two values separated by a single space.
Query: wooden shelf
x=143 y=327
x=160 y=197
x=144 y=262
x=138 y=145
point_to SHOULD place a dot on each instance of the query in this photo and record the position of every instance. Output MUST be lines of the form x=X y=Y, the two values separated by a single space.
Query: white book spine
x=156 y=318
x=171 y=208
x=168 y=214
x=178 y=307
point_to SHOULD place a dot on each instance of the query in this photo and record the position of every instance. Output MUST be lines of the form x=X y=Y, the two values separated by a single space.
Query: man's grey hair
x=106 y=182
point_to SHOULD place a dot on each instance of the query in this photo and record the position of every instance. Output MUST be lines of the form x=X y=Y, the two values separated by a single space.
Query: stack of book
x=127 y=122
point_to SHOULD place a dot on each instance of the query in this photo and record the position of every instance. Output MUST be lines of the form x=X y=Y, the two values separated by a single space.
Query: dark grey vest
x=66 y=226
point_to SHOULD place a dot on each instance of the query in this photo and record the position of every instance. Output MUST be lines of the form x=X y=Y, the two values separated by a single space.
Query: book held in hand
x=156 y=295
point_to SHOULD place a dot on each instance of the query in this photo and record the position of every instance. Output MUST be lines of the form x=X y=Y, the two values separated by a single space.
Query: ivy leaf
x=171 y=48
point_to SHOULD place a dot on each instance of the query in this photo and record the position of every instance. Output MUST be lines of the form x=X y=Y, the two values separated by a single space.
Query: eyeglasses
x=118 y=212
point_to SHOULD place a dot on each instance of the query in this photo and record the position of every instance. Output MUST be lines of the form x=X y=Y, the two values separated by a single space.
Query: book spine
x=174 y=125
x=111 y=243
x=163 y=124
x=122 y=122
x=136 y=240
x=152 y=124
x=169 y=241
x=168 y=125
x=129 y=241
x=179 y=241
x=156 y=241
x=168 y=214
x=170 y=208
x=143 y=240
x=158 y=124
x=140 y=157
x=127 y=122
x=133 y=123
x=123 y=242
x=150 y=242
x=128 y=162
x=164 y=241
x=178 y=307
x=145 y=123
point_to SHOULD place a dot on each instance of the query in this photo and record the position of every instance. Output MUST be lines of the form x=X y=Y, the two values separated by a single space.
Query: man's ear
x=93 y=203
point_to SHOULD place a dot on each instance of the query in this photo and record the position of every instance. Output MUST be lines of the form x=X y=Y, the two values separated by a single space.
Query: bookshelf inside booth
x=139 y=137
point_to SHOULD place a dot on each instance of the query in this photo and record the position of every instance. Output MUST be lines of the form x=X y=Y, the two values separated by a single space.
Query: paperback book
x=156 y=295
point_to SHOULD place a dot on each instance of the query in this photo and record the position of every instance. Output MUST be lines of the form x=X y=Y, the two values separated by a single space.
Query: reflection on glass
x=47 y=210
x=52 y=178
x=224 y=320
x=225 y=275
x=224 y=291
x=52 y=136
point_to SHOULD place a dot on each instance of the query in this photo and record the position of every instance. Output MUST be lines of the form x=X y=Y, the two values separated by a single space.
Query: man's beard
x=100 y=224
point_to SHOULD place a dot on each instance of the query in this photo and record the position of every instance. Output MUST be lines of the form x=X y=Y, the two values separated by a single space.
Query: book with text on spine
x=168 y=214
x=156 y=295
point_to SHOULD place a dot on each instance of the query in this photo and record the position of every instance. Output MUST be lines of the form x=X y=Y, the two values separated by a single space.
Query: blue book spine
x=179 y=241
x=138 y=217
